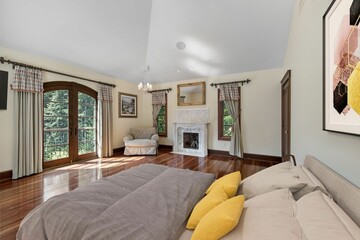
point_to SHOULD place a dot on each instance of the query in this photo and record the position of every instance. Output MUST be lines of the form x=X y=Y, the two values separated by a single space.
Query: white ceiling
x=120 y=37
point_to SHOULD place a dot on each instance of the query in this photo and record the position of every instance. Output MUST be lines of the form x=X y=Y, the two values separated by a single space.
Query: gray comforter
x=145 y=202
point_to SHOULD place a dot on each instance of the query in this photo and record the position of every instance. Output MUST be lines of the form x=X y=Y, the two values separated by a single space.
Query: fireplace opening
x=191 y=140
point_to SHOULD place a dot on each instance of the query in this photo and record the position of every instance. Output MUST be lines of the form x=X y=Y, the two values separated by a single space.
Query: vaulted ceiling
x=121 y=37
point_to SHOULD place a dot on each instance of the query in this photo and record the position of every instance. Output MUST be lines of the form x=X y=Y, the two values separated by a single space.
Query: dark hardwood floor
x=18 y=197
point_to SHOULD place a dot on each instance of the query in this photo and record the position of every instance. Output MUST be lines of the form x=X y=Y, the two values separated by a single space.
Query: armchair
x=141 y=142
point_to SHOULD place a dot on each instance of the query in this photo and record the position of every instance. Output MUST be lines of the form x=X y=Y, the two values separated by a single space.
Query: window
x=162 y=120
x=225 y=121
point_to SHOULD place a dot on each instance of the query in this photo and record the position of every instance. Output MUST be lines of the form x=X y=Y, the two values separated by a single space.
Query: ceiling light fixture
x=142 y=86
x=178 y=70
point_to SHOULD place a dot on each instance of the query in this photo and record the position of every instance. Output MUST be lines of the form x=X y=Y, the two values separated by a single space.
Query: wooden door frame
x=286 y=80
x=73 y=89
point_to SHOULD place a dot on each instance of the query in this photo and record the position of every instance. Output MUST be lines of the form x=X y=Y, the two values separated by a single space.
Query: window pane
x=86 y=110
x=56 y=125
x=56 y=122
x=86 y=123
x=161 y=123
x=85 y=99
x=86 y=147
x=56 y=152
x=227 y=122
x=57 y=96
x=227 y=131
x=56 y=137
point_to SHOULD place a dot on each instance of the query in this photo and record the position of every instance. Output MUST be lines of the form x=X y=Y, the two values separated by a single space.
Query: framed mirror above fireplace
x=191 y=94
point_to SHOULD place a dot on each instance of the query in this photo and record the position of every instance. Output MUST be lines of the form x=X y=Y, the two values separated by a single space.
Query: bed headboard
x=345 y=194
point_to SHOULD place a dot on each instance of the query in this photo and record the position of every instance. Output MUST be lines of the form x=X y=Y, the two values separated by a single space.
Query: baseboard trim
x=249 y=156
x=169 y=147
x=119 y=150
x=262 y=157
x=5 y=175
x=218 y=152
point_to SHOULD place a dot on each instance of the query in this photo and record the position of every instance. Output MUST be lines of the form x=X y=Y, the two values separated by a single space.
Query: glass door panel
x=56 y=125
x=86 y=124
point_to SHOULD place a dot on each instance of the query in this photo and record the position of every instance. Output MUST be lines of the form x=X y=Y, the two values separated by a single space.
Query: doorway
x=69 y=123
x=286 y=116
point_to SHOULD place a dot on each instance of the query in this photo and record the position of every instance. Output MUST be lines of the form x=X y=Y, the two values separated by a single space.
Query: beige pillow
x=298 y=179
x=312 y=183
x=142 y=133
x=276 y=177
x=320 y=218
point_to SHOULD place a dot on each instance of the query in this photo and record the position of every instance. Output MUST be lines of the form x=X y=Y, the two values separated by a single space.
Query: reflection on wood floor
x=18 y=197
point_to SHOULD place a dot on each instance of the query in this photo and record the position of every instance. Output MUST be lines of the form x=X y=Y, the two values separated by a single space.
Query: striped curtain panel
x=158 y=100
x=28 y=107
x=105 y=121
x=229 y=93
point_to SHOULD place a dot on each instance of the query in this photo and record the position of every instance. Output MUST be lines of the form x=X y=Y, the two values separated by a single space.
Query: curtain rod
x=3 y=60
x=242 y=83
x=161 y=90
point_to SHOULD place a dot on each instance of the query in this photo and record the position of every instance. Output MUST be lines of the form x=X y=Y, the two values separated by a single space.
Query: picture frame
x=341 y=67
x=3 y=89
x=127 y=105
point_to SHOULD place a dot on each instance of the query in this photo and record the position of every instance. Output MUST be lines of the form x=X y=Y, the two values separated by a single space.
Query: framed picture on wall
x=127 y=105
x=341 y=70
x=3 y=89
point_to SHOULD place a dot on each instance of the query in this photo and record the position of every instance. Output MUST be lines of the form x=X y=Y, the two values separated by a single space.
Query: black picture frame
x=341 y=64
x=3 y=89
x=127 y=105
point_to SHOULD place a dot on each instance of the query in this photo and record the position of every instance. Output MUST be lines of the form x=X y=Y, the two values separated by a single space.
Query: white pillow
x=320 y=218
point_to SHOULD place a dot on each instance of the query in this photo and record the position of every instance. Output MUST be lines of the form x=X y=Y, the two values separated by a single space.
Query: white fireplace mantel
x=191 y=121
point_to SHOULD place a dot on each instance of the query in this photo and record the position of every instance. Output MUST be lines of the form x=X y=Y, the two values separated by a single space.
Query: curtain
x=105 y=125
x=229 y=93
x=28 y=111
x=158 y=100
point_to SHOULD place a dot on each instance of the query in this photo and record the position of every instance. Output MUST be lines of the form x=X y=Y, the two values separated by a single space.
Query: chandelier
x=145 y=86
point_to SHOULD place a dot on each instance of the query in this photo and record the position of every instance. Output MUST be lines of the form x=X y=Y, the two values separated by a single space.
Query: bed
x=154 y=202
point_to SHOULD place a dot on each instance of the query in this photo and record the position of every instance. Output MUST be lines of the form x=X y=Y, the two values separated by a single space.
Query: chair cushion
x=142 y=133
x=141 y=143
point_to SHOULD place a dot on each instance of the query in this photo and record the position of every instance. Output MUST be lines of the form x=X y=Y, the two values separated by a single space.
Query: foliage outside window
x=56 y=124
x=86 y=123
x=162 y=121
x=225 y=121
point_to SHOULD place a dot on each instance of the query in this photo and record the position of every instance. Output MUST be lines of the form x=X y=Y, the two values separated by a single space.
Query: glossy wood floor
x=18 y=197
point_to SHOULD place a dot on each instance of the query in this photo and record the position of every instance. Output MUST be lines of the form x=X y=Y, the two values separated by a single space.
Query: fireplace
x=191 y=140
x=190 y=132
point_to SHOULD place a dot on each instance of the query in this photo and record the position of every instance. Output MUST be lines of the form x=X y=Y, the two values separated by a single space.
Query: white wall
x=121 y=125
x=260 y=111
x=304 y=57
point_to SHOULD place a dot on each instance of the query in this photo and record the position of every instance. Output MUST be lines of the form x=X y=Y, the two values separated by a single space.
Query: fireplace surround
x=190 y=132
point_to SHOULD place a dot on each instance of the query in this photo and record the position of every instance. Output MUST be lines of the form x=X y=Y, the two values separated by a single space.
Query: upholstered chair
x=141 y=141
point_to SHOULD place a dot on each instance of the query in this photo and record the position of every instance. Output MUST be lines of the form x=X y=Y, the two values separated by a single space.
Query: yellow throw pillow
x=229 y=183
x=205 y=205
x=220 y=220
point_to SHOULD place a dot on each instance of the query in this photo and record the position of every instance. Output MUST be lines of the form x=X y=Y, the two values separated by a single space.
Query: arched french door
x=69 y=123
